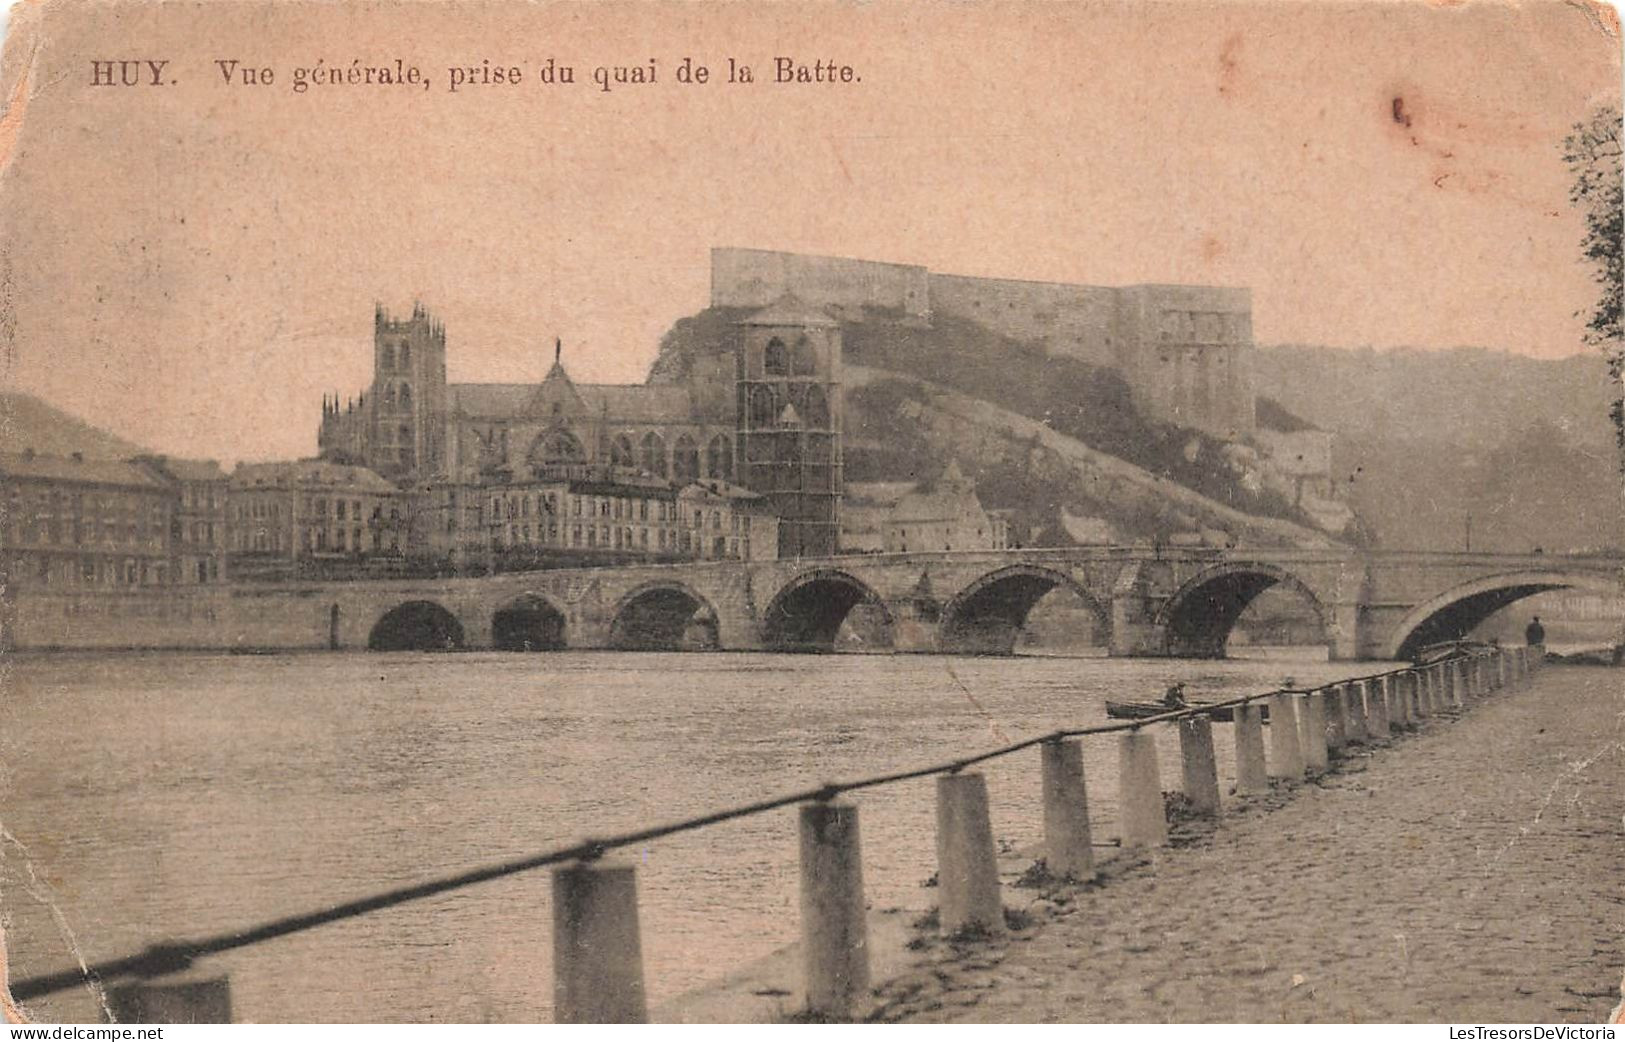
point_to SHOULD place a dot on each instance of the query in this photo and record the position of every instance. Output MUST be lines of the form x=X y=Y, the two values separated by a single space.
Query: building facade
x=200 y=533
x=89 y=524
x=947 y=518
x=312 y=510
x=760 y=409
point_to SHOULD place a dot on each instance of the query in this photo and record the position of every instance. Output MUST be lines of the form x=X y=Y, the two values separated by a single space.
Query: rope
x=179 y=955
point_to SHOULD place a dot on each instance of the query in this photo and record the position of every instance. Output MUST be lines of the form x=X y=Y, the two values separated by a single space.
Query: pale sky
x=193 y=265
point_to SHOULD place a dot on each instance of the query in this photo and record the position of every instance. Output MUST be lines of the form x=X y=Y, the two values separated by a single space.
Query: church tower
x=788 y=418
x=408 y=433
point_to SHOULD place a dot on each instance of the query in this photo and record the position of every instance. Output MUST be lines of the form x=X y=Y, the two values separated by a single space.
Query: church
x=760 y=410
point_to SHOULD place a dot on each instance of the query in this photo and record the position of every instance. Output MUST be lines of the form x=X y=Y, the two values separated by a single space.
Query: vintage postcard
x=811 y=511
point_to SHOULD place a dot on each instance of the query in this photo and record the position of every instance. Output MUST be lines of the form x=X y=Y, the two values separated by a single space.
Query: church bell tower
x=407 y=440
x=788 y=418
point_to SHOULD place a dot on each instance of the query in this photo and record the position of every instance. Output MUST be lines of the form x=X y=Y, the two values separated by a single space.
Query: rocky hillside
x=902 y=427
x=889 y=435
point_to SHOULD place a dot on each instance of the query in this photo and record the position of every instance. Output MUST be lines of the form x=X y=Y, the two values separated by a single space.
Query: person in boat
x=1534 y=633
x=1174 y=697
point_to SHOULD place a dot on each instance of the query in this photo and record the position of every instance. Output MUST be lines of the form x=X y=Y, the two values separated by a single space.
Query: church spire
x=558 y=349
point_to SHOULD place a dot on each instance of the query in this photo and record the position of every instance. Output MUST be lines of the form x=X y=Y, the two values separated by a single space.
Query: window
x=803 y=361
x=652 y=454
x=555 y=447
x=774 y=360
x=406 y=354
x=719 y=458
x=388 y=357
x=815 y=409
x=685 y=461
x=406 y=396
x=621 y=453
x=762 y=407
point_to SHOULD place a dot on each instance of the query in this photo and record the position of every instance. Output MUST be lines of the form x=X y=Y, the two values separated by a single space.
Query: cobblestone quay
x=1468 y=873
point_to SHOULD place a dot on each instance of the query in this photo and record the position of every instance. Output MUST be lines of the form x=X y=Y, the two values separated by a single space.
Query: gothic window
x=554 y=448
x=652 y=454
x=389 y=394
x=762 y=407
x=406 y=355
x=719 y=458
x=803 y=361
x=685 y=460
x=815 y=409
x=406 y=396
x=621 y=453
x=774 y=362
x=389 y=356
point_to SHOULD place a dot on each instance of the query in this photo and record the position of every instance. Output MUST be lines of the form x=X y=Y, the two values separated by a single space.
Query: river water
x=154 y=796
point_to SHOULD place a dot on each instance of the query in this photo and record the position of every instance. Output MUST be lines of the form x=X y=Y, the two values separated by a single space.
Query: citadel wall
x=1184 y=350
x=1075 y=321
x=757 y=278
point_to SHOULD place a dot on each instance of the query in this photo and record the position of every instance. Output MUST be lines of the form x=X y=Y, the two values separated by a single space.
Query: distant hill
x=1438 y=450
x=1462 y=396
x=26 y=422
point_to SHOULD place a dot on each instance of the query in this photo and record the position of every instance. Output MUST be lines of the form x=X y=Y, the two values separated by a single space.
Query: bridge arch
x=987 y=616
x=807 y=613
x=416 y=626
x=529 y=622
x=1196 y=621
x=1458 y=611
x=664 y=615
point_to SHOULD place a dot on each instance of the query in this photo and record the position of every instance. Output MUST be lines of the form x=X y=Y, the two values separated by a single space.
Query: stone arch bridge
x=1156 y=602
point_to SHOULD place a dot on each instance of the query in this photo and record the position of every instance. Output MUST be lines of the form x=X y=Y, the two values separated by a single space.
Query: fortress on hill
x=1184 y=350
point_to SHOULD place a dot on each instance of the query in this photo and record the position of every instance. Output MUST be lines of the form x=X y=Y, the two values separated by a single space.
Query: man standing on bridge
x=1534 y=633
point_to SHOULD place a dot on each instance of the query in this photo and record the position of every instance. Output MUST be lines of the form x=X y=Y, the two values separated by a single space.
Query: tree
x=1592 y=152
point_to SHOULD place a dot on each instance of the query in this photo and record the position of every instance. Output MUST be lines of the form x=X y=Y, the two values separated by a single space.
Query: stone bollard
x=1286 y=755
x=834 y=920
x=1401 y=713
x=1354 y=709
x=1145 y=818
x=1198 y=766
x=597 y=955
x=1316 y=756
x=1252 y=779
x=180 y=999
x=1423 y=699
x=968 y=891
x=1337 y=719
x=1376 y=707
x=1067 y=847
